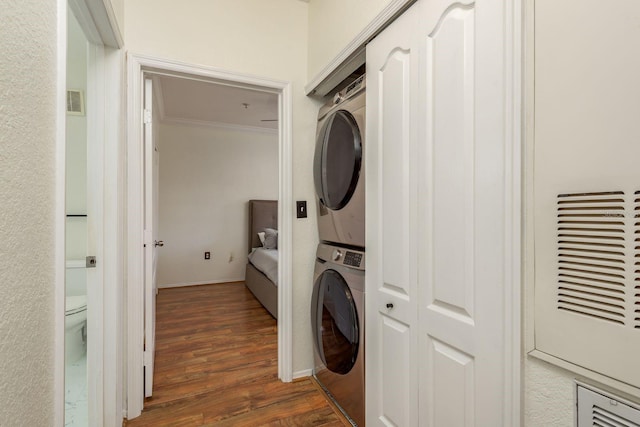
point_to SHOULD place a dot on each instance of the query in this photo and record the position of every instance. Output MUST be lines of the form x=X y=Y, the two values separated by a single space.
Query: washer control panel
x=348 y=257
x=353 y=259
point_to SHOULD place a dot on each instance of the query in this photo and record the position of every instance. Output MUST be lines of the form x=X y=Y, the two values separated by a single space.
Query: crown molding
x=216 y=125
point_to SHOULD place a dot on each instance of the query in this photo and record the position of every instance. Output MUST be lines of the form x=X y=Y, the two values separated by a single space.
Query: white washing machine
x=337 y=320
x=338 y=167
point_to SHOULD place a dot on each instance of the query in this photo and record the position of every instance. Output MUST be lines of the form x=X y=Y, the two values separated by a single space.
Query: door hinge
x=147 y=117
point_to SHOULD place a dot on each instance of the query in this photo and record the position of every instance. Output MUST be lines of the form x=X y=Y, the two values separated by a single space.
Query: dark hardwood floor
x=216 y=364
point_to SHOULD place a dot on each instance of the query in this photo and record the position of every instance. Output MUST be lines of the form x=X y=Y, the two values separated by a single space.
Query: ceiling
x=181 y=100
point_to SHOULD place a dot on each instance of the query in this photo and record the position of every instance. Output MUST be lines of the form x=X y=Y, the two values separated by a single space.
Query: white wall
x=76 y=173
x=333 y=24
x=267 y=39
x=27 y=224
x=584 y=72
x=118 y=10
x=207 y=175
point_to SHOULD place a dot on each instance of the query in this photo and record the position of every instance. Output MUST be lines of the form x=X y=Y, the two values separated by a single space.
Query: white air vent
x=591 y=255
x=588 y=281
x=596 y=409
x=75 y=102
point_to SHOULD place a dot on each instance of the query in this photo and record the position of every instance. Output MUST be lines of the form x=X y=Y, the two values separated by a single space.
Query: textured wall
x=549 y=399
x=207 y=175
x=27 y=168
x=263 y=38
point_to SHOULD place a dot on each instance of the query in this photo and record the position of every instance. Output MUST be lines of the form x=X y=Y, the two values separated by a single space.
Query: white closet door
x=438 y=223
x=391 y=299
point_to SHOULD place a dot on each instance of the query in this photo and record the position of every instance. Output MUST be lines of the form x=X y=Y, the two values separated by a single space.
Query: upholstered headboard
x=262 y=214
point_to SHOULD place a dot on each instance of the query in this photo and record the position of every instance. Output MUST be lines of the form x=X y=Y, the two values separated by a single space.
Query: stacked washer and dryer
x=337 y=308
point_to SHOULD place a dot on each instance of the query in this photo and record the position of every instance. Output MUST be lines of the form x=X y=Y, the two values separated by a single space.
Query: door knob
x=159 y=243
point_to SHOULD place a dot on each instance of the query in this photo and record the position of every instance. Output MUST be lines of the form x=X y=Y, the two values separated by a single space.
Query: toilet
x=75 y=322
x=75 y=316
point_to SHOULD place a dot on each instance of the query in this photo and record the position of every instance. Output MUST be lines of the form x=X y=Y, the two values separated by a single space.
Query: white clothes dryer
x=338 y=167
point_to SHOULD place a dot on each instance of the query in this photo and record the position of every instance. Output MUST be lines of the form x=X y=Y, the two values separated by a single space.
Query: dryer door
x=338 y=159
x=334 y=320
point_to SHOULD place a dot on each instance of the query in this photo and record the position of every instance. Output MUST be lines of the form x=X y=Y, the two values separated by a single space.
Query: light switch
x=301 y=209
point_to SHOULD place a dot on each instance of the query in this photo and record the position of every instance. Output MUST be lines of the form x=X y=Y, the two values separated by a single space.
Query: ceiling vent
x=75 y=102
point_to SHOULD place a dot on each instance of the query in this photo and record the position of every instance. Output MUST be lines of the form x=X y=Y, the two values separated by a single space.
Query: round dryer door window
x=335 y=322
x=338 y=159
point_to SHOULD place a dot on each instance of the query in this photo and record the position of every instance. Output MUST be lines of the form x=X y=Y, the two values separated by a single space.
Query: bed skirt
x=262 y=288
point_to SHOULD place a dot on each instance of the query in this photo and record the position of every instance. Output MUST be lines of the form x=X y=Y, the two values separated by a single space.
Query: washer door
x=337 y=161
x=334 y=320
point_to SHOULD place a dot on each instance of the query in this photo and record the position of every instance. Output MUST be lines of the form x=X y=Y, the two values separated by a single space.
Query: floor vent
x=597 y=409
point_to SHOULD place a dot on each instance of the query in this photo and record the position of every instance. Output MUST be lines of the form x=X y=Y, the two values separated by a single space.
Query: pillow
x=270 y=238
x=261 y=237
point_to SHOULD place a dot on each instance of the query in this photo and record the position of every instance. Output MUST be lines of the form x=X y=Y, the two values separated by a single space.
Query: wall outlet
x=207 y=255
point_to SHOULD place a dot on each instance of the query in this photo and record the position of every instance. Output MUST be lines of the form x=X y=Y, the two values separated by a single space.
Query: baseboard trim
x=302 y=374
x=204 y=282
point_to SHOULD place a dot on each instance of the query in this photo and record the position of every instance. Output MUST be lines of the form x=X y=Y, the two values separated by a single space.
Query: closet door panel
x=448 y=280
x=462 y=260
x=439 y=214
x=391 y=308
x=394 y=147
x=396 y=374
x=453 y=377
x=450 y=112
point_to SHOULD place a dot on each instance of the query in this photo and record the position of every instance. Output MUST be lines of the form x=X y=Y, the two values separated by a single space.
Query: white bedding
x=266 y=260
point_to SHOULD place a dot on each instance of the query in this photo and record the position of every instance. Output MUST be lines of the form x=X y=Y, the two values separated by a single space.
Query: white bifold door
x=440 y=213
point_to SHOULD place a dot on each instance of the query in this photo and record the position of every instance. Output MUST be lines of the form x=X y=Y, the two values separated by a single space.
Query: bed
x=263 y=215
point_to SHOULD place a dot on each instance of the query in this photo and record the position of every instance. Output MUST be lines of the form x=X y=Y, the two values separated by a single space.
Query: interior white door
x=151 y=242
x=437 y=222
x=95 y=235
x=391 y=279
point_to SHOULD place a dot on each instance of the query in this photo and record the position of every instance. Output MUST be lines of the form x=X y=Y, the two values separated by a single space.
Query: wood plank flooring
x=216 y=365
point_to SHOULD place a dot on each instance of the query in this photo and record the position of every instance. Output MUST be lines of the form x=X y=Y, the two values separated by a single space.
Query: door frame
x=138 y=67
x=105 y=75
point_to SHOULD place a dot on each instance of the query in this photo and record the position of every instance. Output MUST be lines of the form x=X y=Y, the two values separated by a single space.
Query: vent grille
x=596 y=408
x=75 y=102
x=636 y=244
x=603 y=418
x=591 y=255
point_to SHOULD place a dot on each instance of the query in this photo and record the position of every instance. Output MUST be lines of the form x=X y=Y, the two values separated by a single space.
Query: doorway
x=88 y=366
x=141 y=68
